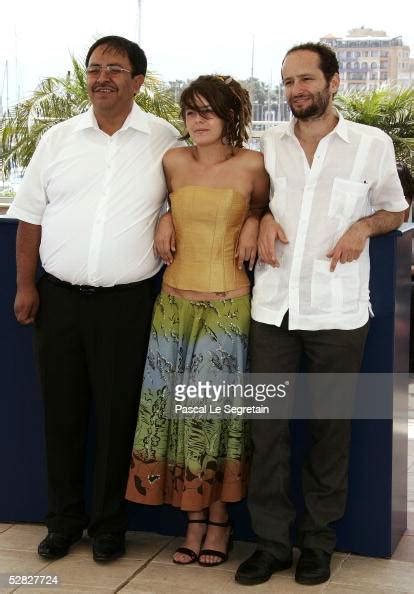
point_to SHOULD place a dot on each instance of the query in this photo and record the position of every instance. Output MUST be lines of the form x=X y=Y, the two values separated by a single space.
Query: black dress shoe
x=259 y=568
x=107 y=547
x=314 y=567
x=57 y=545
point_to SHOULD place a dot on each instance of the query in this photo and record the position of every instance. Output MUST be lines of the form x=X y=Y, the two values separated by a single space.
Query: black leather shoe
x=314 y=567
x=259 y=568
x=107 y=547
x=57 y=545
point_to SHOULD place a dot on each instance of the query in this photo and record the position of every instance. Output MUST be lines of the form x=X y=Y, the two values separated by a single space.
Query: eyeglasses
x=112 y=69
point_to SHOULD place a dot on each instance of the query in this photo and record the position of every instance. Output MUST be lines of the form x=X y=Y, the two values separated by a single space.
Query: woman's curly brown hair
x=229 y=101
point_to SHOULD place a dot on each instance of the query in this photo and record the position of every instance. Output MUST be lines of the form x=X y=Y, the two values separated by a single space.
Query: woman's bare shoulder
x=176 y=154
x=251 y=159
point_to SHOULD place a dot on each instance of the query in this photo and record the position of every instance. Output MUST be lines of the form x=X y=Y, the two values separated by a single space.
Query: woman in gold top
x=200 y=326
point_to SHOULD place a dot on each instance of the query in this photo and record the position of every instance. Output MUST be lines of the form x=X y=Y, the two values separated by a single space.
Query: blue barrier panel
x=376 y=511
x=23 y=496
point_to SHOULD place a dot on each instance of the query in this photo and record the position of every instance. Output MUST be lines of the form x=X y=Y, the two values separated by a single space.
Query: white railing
x=258 y=127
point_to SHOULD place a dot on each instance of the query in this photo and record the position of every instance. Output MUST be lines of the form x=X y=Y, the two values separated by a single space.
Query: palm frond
x=58 y=98
x=391 y=109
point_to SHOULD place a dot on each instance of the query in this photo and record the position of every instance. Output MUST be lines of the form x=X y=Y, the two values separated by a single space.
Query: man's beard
x=316 y=108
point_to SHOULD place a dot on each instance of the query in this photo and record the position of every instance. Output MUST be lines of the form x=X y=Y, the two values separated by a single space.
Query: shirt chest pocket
x=336 y=291
x=348 y=199
x=278 y=203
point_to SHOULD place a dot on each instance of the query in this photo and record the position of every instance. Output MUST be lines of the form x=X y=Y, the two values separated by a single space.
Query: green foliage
x=8 y=193
x=155 y=98
x=57 y=99
x=391 y=109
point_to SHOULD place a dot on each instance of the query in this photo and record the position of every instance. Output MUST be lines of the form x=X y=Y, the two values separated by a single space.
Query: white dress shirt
x=353 y=174
x=97 y=198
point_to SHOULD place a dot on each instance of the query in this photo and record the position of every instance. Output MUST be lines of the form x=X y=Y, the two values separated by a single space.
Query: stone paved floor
x=147 y=568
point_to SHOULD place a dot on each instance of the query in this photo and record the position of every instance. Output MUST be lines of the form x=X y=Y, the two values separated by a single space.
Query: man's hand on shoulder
x=26 y=304
x=350 y=245
x=270 y=232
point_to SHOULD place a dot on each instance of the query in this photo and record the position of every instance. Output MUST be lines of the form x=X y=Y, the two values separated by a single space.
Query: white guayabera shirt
x=97 y=198
x=353 y=174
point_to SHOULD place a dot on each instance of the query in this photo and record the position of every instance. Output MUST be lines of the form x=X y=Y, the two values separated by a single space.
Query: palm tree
x=388 y=108
x=57 y=99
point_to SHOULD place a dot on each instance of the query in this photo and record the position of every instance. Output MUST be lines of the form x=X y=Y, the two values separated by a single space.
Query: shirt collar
x=341 y=128
x=136 y=119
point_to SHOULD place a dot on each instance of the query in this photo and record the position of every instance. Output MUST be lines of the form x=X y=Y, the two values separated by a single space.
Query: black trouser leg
x=272 y=350
x=65 y=388
x=90 y=345
x=325 y=472
x=116 y=333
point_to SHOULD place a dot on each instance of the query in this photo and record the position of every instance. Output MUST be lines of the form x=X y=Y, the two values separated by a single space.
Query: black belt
x=89 y=289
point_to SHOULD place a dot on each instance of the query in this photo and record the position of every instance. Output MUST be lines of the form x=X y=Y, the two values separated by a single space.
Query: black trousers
x=90 y=346
x=325 y=473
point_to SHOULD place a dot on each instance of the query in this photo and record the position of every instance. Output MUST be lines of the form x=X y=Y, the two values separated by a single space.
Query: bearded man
x=334 y=184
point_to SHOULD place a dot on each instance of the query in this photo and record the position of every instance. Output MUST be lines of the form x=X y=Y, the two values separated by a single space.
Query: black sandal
x=223 y=556
x=189 y=552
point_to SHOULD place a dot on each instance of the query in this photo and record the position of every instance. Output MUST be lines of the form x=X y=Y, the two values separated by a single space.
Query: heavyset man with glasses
x=89 y=202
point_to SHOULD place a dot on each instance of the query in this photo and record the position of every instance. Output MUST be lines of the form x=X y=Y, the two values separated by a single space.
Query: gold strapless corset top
x=207 y=225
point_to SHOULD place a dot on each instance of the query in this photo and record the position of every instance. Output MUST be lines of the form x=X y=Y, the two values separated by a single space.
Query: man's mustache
x=302 y=96
x=102 y=87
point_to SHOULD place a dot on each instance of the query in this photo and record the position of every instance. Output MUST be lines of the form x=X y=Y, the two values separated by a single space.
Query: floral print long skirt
x=190 y=462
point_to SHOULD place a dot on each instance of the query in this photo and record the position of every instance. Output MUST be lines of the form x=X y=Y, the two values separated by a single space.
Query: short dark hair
x=229 y=101
x=124 y=46
x=328 y=62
